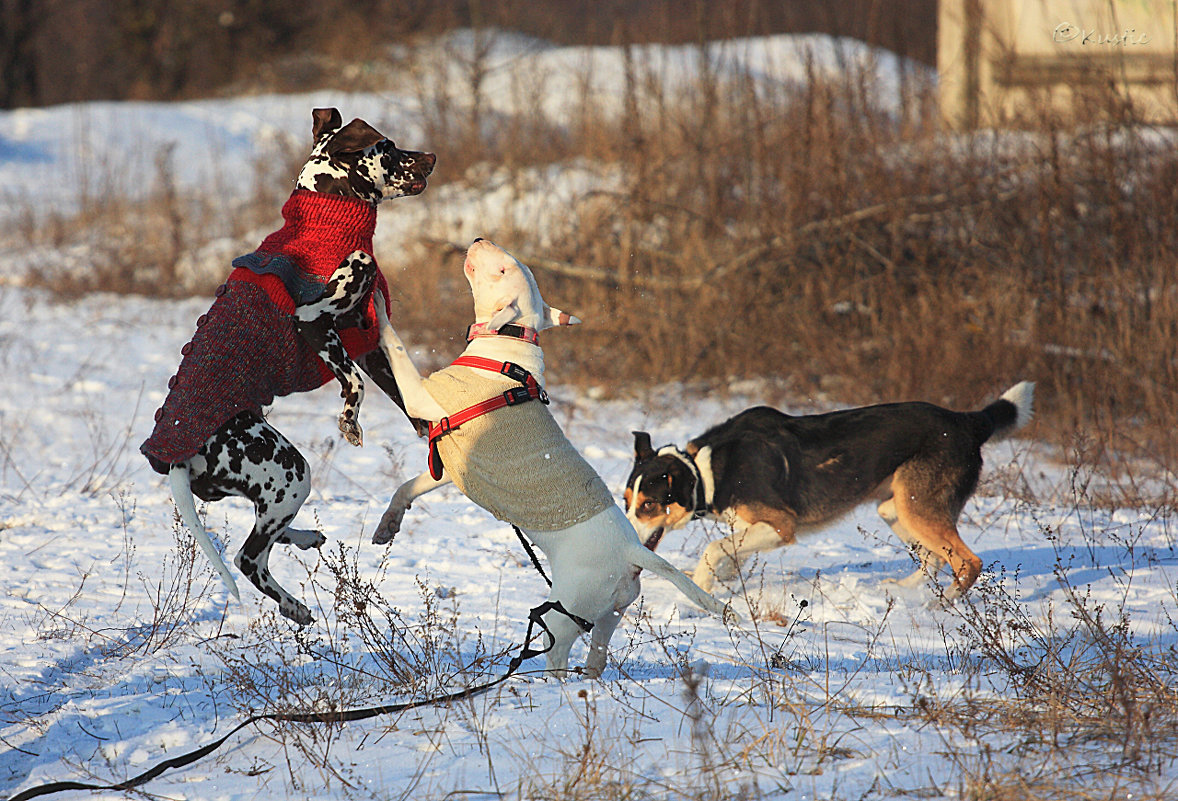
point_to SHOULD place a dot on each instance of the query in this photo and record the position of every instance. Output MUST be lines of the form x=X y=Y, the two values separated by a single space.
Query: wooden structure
x=1002 y=62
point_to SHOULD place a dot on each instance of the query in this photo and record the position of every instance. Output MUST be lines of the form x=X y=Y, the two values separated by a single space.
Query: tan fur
x=783 y=521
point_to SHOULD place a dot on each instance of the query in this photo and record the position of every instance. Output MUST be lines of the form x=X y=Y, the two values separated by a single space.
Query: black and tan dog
x=772 y=477
x=293 y=315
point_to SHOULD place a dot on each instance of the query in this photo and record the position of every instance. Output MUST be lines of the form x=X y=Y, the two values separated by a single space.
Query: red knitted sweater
x=320 y=231
x=246 y=351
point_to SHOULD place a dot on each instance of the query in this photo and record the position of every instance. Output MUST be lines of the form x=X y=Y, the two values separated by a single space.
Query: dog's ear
x=554 y=317
x=325 y=120
x=642 y=448
x=503 y=316
x=353 y=137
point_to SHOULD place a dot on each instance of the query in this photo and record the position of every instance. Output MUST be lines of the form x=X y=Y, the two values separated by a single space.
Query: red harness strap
x=529 y=389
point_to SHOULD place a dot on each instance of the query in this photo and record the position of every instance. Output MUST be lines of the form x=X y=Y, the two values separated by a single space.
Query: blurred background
x=845 y=203
x=59 y=51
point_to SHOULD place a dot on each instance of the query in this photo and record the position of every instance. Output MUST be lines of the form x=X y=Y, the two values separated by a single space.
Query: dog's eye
x=649 y=506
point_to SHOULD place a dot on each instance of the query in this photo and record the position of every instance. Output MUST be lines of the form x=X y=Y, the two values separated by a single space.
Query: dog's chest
x=515 y=462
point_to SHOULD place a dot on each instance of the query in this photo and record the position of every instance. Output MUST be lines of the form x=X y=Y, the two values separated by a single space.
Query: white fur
x=595 y=564
x=1022 y=395
x=180 y=482
x=703 y=463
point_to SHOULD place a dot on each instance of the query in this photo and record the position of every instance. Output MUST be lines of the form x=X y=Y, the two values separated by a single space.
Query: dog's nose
x=477 y=239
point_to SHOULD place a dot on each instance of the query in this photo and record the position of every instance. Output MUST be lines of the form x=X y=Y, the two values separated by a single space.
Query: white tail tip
x=1022 y=395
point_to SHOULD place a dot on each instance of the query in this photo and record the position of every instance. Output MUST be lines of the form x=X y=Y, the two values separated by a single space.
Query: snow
x=119 y=647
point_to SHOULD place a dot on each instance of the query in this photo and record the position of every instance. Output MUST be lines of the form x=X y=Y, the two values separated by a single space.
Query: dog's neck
x=510 y=349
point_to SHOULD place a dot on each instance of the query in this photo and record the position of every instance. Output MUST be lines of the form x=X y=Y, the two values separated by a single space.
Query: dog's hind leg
x=301 y=538
x=934 y=527
x=562 y=633
x=249 y=458
x=316 y=321
x=603 y=629
x=273 y=516
x=930 y=563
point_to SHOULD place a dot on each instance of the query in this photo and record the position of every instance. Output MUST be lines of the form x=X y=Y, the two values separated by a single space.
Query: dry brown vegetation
x=802 y=235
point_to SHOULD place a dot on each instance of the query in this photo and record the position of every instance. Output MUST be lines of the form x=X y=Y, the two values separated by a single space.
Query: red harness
x=529 y=389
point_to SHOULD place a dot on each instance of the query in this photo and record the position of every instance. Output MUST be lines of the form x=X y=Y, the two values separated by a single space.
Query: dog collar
x=701 y=502
x=530 y=335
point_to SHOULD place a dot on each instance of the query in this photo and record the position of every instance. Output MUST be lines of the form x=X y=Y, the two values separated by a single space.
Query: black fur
x=763 y=467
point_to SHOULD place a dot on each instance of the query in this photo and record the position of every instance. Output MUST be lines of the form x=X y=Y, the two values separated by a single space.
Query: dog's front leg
x=376 y=365
x=316 y=321
x=327 y=344
x=418 y=402
x=390 y=522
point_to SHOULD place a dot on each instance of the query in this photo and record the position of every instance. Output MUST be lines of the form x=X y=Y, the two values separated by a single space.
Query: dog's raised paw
x=351 y=430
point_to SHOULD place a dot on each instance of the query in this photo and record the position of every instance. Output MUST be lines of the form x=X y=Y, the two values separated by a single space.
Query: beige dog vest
x=515 y=462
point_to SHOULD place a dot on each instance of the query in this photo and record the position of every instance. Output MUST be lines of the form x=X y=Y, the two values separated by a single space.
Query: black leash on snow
x=343 y=716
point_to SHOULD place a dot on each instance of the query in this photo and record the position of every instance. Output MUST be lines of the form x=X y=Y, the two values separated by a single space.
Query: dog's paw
x=389 y=525
x=297 y=612
x=349 y=426
x=302 y=539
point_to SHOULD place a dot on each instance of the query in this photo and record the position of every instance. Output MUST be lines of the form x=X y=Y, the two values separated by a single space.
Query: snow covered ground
x=113 y=655
x=119 y=648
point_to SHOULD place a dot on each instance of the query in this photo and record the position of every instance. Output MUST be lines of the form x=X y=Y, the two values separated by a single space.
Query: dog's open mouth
x=652 y=541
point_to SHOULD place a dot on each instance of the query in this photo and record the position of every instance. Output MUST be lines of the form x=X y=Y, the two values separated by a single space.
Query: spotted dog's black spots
x=317 y=321
x=247 y=457
x=375 y=171
x=332 y=185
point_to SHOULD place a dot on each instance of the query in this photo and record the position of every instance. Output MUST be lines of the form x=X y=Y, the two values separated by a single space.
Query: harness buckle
x=517 y=395
x=443 y=427
x=515 y=372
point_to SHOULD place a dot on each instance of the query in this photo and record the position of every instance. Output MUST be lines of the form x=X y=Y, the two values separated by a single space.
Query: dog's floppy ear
x=325 y=120
x=353 y=137
x=642 y=448
x=554 y=317
x=503 y=316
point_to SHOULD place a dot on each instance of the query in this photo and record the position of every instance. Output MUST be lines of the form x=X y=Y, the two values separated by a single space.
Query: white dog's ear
x=503 y=316
x=554 y=317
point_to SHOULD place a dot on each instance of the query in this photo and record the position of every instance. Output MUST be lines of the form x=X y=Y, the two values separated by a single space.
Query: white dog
x=515 y=461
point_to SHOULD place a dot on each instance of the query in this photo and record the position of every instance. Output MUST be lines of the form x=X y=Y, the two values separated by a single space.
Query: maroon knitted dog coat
x=246 y=350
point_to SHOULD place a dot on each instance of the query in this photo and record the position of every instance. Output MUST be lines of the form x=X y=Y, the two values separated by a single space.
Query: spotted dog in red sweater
x=293 y=315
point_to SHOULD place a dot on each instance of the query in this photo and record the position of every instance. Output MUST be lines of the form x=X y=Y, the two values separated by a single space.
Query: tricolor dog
x=492 y=435
x=292 y=315
x=772 y=477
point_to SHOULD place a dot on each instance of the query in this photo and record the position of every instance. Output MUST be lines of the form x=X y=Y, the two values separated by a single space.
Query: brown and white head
x=358 y=161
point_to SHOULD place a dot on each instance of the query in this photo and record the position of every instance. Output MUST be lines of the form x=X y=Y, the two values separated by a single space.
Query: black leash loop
x=585 y=625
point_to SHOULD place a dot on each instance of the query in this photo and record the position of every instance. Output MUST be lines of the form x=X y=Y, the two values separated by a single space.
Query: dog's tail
x=182 y=495
x=649 y=560
x=1010 y=412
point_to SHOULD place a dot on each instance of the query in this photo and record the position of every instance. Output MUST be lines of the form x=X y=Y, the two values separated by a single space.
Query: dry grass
x=802 y=235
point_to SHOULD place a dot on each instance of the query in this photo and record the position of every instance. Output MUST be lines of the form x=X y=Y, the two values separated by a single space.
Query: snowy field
x=119 y=648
